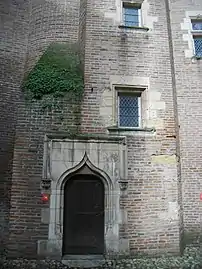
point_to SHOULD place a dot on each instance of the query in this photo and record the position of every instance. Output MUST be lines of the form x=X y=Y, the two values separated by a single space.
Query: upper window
x=131 y=15
x=197 y=36
x=196 y=25
x=129 y=109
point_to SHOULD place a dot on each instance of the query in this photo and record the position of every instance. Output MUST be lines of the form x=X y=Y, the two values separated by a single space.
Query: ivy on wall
x=58 y=74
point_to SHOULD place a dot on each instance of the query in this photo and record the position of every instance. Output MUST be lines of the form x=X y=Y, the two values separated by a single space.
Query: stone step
x=83 y=261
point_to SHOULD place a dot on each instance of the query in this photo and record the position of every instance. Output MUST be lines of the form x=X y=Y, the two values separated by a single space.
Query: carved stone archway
x=111 y=205
x=107 y=159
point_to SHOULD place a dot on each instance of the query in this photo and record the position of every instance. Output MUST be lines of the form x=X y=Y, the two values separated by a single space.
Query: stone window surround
x=187 y=25
x=113 y=190
x=152 y=103
x=130 y=84
x=147 y=20
x=144 y=6
x=132 y=4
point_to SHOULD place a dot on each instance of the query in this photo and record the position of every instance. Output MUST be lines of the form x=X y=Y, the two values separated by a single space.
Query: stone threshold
x=83 y=261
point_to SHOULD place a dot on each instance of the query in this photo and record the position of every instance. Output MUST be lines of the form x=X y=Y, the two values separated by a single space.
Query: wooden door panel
x=84 y=216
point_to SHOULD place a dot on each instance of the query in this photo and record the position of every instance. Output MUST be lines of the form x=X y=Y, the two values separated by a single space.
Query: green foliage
x=57 y=74
x=190 y=260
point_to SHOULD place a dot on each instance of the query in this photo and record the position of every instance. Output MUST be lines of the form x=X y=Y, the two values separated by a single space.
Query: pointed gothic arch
x=81 y=166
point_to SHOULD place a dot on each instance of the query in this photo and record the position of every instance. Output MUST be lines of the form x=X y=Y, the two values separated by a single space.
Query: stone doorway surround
x=104 y=156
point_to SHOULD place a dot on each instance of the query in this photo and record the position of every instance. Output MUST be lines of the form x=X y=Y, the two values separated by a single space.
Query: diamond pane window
x=131 y=16
x=196 y=25
x=129 y=110
x=198 y=46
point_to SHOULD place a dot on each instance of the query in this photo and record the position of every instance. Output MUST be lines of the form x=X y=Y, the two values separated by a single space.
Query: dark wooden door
x=83 y=216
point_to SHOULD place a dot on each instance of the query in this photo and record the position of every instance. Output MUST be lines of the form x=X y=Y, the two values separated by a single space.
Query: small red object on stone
x=44 y=197
x=201 y=196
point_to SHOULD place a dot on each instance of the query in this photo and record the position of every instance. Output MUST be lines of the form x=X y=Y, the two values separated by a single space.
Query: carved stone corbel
x=45 y=184
x=123 y=184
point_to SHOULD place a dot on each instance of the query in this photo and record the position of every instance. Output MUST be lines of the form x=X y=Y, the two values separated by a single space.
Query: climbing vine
x=58 y=74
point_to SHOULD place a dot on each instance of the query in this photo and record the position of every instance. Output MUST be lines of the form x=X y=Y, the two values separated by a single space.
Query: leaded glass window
x=129 y=110
x=197 y=36
x=198 y=46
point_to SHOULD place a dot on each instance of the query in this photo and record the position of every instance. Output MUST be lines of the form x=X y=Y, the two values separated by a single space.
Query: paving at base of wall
x=126 y=264
x=192 y=259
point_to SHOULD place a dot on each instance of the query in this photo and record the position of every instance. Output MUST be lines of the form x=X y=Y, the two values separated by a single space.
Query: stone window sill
x=141 y=28
x=130 y=131
x=196 y=58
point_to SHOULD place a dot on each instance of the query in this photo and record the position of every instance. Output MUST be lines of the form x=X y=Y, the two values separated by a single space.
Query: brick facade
x=14 y=30
x=160 y=182
x=188 y=84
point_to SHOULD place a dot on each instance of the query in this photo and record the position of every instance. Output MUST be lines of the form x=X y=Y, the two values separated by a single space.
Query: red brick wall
x=152 y=187
x=188 y=83
x=152 y=174
x=48 y=22
x=14 y=31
